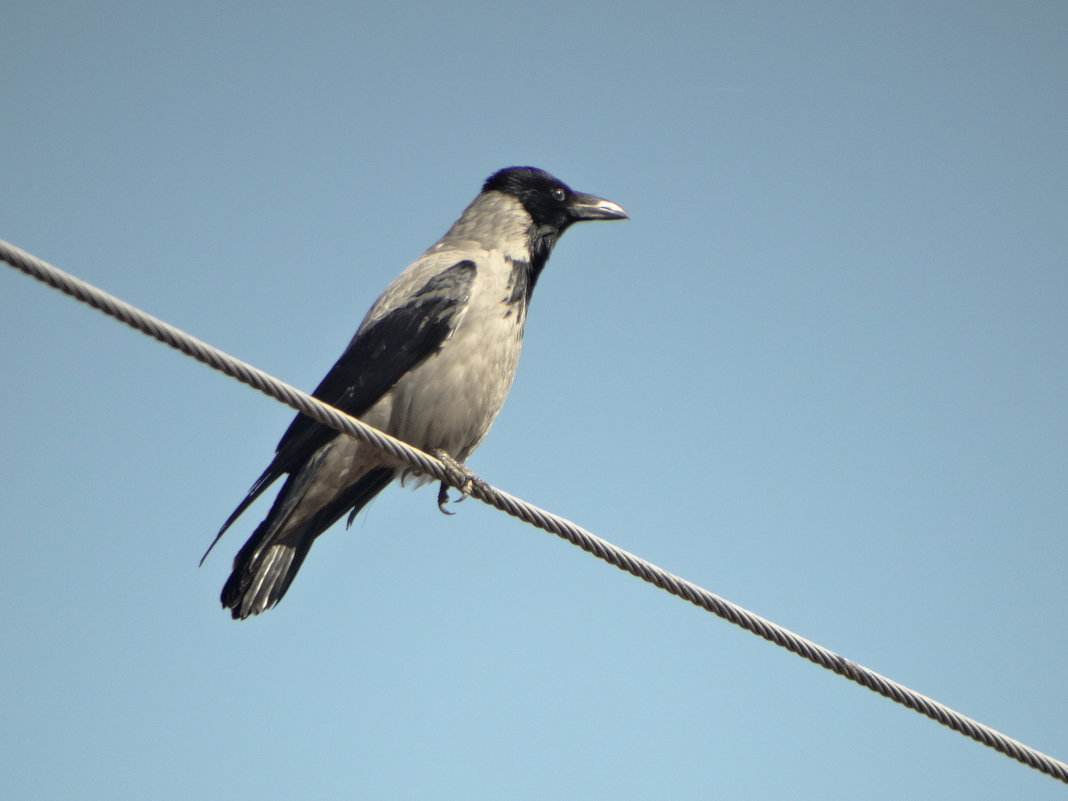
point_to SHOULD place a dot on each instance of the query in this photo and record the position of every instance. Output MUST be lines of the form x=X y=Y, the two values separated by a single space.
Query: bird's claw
x=459 y=476
x=443 y=498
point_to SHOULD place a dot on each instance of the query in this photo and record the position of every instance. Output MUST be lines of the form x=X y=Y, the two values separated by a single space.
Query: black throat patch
x=542 y=241
x=520 y=283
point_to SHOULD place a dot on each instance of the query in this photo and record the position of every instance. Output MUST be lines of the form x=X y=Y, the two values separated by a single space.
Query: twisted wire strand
x=516 y=507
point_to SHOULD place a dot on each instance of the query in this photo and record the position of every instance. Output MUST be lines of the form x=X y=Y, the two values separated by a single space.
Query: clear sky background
x=821 y=372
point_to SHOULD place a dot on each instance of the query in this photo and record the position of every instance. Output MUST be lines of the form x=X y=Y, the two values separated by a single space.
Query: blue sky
x=821 y=372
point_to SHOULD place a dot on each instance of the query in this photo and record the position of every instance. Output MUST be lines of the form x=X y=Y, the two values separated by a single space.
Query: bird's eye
x=559 y=195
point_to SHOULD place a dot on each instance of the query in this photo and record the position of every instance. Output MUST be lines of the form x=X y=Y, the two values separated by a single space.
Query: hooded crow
x=430 y=364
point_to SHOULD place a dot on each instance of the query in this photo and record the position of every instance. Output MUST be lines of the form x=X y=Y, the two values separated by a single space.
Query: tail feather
x=259 y=583
x=267 y=564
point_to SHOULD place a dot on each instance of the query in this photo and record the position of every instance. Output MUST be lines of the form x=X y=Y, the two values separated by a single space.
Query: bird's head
x=552 y=204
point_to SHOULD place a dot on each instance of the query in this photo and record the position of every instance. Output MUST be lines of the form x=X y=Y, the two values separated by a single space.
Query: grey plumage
x=431 y=364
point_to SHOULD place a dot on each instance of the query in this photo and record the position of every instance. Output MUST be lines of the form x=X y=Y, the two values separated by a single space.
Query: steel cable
x=602 y=549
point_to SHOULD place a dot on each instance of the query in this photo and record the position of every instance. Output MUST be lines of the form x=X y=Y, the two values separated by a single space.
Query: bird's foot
x=459 y=476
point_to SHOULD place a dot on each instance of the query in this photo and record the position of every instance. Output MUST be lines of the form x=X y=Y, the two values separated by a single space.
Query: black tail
x=267 y=564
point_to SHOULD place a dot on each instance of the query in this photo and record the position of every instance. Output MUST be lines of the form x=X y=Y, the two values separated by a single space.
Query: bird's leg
x=459 y=475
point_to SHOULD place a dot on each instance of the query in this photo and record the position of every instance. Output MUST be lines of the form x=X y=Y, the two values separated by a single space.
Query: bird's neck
x=499 y=222
x=540 y=247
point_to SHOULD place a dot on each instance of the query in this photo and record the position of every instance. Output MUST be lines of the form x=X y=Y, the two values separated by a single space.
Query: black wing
x=380 y=356
x=376 y=359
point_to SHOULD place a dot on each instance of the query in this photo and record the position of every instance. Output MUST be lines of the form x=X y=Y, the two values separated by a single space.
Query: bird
x=431 y=364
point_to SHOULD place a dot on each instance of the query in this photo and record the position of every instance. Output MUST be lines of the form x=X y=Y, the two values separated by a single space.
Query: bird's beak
x=591 y=207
